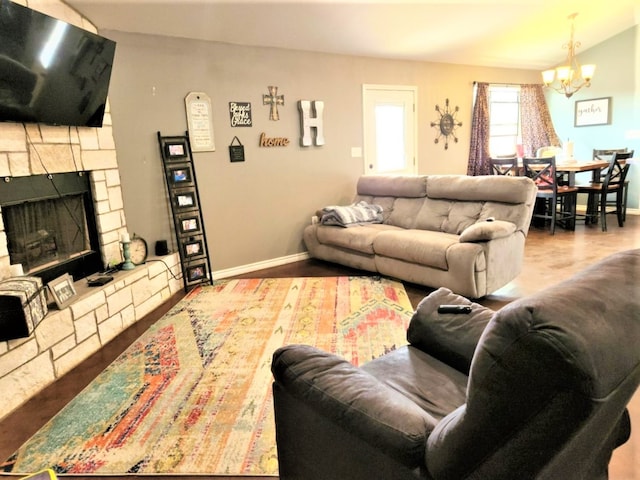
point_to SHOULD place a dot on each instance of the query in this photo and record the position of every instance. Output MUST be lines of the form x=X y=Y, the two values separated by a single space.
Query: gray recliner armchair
x=537 y=390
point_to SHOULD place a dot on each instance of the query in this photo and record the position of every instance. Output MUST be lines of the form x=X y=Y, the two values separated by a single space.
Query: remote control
x=454 y=309
x=99 y=280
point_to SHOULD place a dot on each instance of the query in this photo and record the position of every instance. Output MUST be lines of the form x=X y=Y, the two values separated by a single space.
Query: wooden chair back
x=617 y=171
x=542 y=170
x=504 y=166
x=605 y=154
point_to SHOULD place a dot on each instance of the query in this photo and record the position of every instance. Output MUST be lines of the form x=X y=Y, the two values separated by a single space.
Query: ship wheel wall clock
x=446 y=124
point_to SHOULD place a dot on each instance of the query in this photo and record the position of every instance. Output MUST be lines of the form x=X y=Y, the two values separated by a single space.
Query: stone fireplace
x=64 y=338
x=40 y=151
x=50 y=225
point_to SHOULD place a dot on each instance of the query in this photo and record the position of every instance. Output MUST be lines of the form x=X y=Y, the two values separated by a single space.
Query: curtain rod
x=475 y=82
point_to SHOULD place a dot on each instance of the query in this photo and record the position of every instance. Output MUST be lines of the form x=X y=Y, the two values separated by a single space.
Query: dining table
x=570 y=168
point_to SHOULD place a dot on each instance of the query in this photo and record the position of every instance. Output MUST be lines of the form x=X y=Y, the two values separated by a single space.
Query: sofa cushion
x=497 y=188
x=423 y=247
x=451 y=338
x=356 y=400
x=434 y=386
x=405 y=212
x=359 y=238
x=392 y=186
x=516 y=214
x=447 y=216
x=487 y=230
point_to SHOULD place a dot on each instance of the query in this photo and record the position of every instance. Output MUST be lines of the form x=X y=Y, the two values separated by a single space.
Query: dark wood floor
x=548 y=259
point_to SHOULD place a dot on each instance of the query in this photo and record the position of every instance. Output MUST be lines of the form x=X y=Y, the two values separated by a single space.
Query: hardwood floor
x=548 y=259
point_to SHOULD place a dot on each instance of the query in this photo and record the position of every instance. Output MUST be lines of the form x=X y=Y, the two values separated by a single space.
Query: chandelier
x=571 y=77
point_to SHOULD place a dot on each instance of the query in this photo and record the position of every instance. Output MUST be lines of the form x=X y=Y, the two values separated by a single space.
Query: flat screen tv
x=51 y=71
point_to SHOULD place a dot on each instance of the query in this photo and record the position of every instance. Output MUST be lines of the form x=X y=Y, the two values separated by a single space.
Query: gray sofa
x=536 y=390
x=459 y=232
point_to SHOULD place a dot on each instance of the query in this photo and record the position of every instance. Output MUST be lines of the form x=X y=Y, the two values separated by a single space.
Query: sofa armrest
x=487 y=230
x=451 y=338
x=355 y=400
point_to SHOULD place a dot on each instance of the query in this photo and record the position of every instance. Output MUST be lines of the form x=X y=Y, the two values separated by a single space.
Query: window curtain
x=479 y=149
x=537 y=128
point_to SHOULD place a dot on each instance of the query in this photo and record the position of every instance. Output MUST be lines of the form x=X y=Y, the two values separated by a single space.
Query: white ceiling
x=497 y=33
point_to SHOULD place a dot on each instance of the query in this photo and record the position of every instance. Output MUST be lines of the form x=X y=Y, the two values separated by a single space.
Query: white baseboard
x=252 y=267
x=630 y=211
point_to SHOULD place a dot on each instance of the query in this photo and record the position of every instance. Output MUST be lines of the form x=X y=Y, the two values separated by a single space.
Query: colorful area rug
x=193 y=394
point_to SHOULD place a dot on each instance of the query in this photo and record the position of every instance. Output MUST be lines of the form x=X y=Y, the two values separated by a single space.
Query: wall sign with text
x=200 y=122
x=240 y=114
x=593 y=112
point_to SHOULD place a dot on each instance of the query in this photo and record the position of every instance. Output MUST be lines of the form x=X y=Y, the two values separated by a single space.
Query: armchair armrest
x=451 y=338
x=353 y=399
x=487 y=230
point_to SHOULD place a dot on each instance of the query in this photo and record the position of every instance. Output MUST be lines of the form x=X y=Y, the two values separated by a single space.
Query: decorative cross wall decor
x=273 y=99
x=307 y=122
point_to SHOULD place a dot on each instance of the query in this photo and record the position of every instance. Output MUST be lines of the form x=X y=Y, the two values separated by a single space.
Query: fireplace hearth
x=50 y=225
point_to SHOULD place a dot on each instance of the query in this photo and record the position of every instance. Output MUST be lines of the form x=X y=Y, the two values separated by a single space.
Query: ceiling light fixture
x=571 y=77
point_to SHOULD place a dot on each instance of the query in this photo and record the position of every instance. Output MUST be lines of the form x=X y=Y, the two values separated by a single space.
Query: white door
x=389 y=119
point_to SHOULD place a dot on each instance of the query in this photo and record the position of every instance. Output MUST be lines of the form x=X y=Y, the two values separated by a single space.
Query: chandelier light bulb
x=588 y=71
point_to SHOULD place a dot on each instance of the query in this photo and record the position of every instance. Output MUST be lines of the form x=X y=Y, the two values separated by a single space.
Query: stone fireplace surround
x=64 y=338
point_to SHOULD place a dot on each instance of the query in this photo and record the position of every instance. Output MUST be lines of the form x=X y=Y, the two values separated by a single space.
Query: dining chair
x=554 y=202
x=504 y=165
x=605 y=154
x=552 y=151
x=598 y=191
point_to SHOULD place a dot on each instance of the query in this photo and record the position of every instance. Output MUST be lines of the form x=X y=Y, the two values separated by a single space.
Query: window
x=504 y=120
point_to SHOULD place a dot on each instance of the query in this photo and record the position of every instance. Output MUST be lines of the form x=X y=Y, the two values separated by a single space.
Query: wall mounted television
x=51 y=71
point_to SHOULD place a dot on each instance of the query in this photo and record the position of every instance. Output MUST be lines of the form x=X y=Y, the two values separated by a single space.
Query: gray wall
x=255 y=211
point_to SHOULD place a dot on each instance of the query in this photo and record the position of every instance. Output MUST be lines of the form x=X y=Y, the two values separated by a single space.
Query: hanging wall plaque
x=236 y=152
x=198 y=106
x=240 y=114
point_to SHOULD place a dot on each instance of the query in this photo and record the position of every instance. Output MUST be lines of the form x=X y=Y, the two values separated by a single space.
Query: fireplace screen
x=45 y=232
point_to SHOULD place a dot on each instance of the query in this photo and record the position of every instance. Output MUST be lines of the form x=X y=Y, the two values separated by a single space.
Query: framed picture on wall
x=175 y=150
x=196 y=273
x=180 y=176
x=185 y=199
x=62 y=290
x=189 y=223
x=596 y=111
x=193 y=247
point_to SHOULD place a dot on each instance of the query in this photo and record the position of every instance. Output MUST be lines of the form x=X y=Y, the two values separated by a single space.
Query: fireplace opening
x=50 y=225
